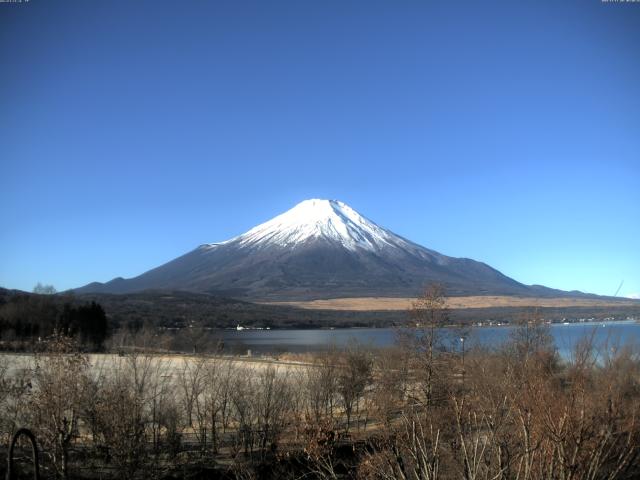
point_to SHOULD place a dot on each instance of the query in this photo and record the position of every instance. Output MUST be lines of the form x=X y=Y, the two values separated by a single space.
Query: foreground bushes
x=517 y=413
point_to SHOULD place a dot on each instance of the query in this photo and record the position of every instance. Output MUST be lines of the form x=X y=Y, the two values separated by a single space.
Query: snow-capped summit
x=317 y=249
x=314 y=219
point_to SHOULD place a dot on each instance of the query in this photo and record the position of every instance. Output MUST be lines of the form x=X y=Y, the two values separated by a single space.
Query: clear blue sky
x=133 y=131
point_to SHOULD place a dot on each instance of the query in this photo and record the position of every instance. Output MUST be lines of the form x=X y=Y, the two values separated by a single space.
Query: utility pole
x=462 y=342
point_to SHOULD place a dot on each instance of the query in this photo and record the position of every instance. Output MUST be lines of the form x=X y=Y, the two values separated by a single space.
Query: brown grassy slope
x=394 y=304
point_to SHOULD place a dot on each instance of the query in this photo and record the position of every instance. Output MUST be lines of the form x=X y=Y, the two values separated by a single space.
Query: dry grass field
x=394 y=304
x=172 y=365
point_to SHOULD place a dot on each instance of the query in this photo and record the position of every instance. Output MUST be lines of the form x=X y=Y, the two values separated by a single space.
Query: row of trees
x=521 y=419
x=26 y=318
x=136 y=410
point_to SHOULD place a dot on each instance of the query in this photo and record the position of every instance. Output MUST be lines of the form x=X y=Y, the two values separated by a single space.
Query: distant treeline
x=177 y=309
x=27 y=318
x=180 y=309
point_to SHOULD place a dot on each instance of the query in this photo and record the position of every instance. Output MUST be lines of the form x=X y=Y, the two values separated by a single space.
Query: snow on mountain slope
x=320 y=219
x=318 y=249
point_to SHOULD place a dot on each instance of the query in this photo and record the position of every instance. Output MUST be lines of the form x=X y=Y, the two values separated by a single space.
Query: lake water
x=606 y=335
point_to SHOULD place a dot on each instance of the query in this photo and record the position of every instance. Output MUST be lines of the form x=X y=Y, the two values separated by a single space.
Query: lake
x=606 y=335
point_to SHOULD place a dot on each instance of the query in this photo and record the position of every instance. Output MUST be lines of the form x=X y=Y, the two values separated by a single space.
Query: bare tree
x=531 y=340
x=44 y=289
x=242 y=396
x=354 y=376
x=123 y=410
x=15 y=388
x=390 y=384
x=60 y=378
x=191 y=383
x=412 y=451
x=273 y=406
x=320 y=387
x=428 y=313
x=215 y=398
x=196 y=336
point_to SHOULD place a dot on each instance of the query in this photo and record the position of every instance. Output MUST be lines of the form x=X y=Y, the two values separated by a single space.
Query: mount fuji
x=319 y=249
